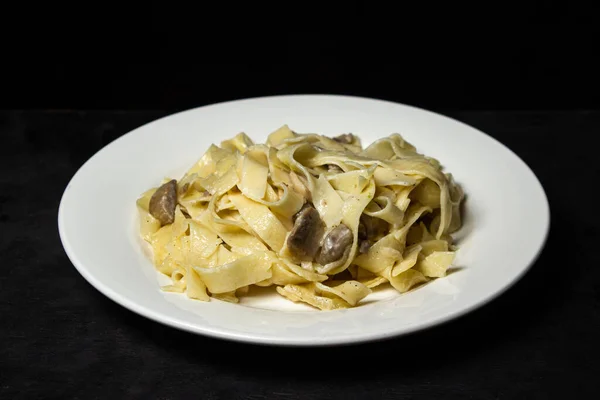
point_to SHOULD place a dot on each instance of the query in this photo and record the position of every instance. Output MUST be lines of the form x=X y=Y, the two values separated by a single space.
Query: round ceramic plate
x=506 y=220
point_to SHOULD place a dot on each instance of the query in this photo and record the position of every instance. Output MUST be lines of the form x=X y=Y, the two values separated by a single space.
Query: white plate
x=506 y=222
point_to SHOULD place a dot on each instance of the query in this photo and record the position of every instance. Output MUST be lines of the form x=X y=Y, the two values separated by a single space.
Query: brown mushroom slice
x=335 y=244
x=185 y=213
x=163 y=202
x=303 y=241
x=346 y=138
x=300 y=212
x=362 y=230
x=364 y=247
x=374 y=228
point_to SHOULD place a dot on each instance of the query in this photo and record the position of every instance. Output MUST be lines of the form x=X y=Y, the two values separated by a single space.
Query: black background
x=499 y=56
x=532 y=83
x=538 y=83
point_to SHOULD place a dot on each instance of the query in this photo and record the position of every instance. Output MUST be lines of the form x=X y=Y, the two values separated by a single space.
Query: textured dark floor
x=60 y=338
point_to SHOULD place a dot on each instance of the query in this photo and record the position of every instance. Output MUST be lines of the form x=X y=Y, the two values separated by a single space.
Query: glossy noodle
x=320 y=218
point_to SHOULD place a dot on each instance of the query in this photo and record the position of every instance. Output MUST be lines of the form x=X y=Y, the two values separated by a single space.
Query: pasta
x=322 y=219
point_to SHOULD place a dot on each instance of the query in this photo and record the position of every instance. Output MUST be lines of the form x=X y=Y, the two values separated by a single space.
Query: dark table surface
x=60 y=338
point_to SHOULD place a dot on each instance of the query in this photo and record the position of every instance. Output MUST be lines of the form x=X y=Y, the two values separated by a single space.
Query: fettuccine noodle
x=321 y=219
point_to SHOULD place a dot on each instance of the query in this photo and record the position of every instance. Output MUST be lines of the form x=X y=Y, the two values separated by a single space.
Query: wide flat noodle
x=244 y=271
x=306 y=294
x=241 y=142
x=195 y=288
x=409 y=259
x=389 y=177
x=406 y=280
x=280 y=135
x=288 y=157
x=168 y=235
x=237 y=205
x=350 y=291
x=383 y=254
x=286 y=205
x=222 y=179
x=194 y=202
x=206 y=165
x=383 y=208
x=278 y=171
x=427 y=192
x=425 y=169
x=148 y=224
x=305 y=274
x=413 y=213
x=234 y=235
x=229 y=297
x=254 y=174
x=202 y=242
x=283 y=276
x=388 y=250
x=393 y=146
x=352 y=210
x=436 y=264
x=261 y=220
x=455 y=198
x=402 y=197
x=353 y=182
x=226 y=222
x=373 y=281
x=328 y=202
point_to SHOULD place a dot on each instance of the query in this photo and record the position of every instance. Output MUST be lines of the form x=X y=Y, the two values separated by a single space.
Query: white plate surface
x=506 y=222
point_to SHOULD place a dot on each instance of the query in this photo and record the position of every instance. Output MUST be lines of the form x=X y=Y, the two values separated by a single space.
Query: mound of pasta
x=321 y=218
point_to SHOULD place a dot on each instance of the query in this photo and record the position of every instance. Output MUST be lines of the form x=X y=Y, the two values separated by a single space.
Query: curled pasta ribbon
x=207 y=164
x=261 y=220
x=352 y=182
x=241 y=214
x=352 y=210
x=393 y=146
x=288 y=156
x=241 y=272
x=382 y=207
x=257 y=165
x=324 y=297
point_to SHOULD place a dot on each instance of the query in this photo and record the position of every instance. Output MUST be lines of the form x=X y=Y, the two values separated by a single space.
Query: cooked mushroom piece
x=374 y=228
x=185 y=213
x=301 y=211
x=362 y=230
x=303 y=241
x=364 y=247
x=346 y=138
x=335 y=244
x=163 y=202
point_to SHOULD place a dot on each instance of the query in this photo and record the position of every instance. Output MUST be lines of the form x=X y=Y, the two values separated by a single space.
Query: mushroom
x=163 y=202
x=335 y=244
x=362 y=230
x=364 y=247
x=301 y=211
x=346 y=138
x=303 y=241
x=185 y=213
x=374 y=228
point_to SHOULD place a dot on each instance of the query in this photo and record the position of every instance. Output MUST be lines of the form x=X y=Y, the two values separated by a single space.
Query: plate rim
x=257 y=339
